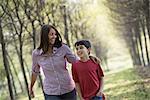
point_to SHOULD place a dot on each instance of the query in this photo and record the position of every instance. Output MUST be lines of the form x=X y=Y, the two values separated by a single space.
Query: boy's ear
x=89 y=49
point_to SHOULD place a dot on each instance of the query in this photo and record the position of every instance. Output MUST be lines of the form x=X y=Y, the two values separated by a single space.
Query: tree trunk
x=138 y=60
x=147 y=14
x=5 y=61
x=22 y=65
x=138 y=35
x=132 y=47
x=11 y=76
x=66 y=36
x=26 y=66
x=145 y=40
x=15 y=72
x=136 y=43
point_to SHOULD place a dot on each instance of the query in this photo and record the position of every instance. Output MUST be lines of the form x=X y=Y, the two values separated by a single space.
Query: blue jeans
x=67 y=96
x=97 y=98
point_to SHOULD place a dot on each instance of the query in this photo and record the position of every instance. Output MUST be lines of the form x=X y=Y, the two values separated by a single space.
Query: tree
x=5 y=60
x=132 y=19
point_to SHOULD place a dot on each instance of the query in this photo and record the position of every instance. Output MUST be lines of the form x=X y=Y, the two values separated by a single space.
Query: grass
x=122 y=85
x=126 y=85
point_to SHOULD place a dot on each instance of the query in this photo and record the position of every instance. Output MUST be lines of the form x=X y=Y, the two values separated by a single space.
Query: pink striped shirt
x=57 y=78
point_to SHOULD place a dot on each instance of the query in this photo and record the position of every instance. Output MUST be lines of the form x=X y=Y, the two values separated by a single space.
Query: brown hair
x=44 y=40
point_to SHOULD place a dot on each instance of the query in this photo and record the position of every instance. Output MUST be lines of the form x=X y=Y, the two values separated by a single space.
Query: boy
x=88 y=75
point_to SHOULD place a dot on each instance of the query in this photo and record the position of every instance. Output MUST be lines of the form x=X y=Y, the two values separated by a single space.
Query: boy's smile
x=82 y=51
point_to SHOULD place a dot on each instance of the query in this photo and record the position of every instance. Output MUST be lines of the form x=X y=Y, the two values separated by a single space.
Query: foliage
x=123 y=85
x=126 y=85
x=132 y=18
x=75 y=19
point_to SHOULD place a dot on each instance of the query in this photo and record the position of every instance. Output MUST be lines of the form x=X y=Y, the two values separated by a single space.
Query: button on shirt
x=57 y=78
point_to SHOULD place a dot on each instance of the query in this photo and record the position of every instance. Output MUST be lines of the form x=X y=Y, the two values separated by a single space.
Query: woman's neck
x=50 y=50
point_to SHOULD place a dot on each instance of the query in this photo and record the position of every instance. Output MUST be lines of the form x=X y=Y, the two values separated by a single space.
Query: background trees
x=132 y=19
x=20 y=22
x=118 y=29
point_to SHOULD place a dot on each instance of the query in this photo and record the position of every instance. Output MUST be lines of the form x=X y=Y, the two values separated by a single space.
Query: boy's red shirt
x=88 y=75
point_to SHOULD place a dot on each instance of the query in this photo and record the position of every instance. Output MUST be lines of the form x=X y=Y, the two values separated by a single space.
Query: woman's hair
x=44 y=40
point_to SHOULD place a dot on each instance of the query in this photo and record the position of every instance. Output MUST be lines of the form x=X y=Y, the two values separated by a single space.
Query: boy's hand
x=82 y=99
x=99 y=93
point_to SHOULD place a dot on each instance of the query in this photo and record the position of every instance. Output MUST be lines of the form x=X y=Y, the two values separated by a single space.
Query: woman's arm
x=35 y=72
x=33 y=80
x=70 y=56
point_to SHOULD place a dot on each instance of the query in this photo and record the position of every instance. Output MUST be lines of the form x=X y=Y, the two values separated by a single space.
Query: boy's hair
x=86 y=43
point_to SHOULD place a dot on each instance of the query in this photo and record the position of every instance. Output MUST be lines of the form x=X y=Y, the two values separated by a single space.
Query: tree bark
x=5 y=61
x=66 y=36
x=15 y=71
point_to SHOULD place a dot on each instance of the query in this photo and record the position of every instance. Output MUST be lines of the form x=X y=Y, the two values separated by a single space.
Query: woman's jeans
x=67 y=96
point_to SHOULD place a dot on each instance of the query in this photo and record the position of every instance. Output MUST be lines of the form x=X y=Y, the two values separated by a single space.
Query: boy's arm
x=79 y=91
x=76 y=80
x=100 y=92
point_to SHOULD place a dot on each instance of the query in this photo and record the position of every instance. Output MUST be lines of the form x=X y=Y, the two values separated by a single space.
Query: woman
x=51 y=56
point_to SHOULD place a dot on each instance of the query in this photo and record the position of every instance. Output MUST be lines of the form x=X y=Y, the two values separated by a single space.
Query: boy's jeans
x=97 y=98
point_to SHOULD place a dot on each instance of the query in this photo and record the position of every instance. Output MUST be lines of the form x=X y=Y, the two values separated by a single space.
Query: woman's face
x=52 y=36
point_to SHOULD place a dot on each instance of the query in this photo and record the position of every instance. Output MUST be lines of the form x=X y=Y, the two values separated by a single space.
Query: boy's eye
x=81 y=47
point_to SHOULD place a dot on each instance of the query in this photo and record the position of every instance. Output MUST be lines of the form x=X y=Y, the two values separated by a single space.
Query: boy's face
x=82 y=51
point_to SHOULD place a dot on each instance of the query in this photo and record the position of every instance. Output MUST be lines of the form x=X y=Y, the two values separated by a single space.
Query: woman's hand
x=31 y=93
x=95 y=59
